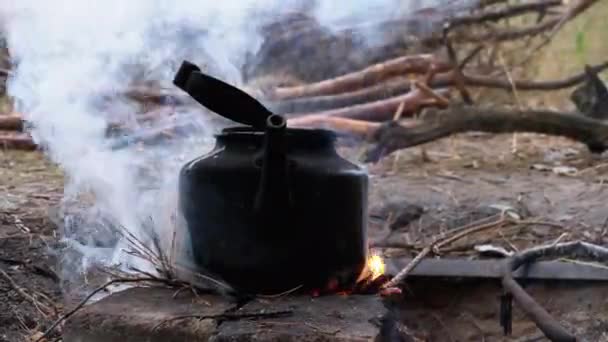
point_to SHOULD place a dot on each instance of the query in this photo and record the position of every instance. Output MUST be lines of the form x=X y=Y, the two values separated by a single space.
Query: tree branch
x=458 y=119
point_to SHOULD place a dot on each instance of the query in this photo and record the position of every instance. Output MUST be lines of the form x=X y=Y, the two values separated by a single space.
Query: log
x=366 y=77
x=17 y=141
x=11 y=122
x=459 y=119
x=374 y=111
x=360 y=128
x=381 y=91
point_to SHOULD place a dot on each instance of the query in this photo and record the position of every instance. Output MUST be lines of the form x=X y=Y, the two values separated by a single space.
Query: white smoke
x=68 y=52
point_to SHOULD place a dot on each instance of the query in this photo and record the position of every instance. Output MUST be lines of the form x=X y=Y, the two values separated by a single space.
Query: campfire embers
x=370 y=280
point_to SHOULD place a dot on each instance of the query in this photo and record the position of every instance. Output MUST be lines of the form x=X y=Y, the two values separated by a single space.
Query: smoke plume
x=66 y=53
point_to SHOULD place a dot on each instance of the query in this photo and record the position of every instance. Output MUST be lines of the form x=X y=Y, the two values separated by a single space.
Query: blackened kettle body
x=269 y=210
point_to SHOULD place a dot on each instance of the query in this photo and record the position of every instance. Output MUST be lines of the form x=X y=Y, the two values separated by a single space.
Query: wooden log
x=17 y=141
x=363 y=78
x=458 y=119
x=374 y=111
x=360 y=128
x=11 y=122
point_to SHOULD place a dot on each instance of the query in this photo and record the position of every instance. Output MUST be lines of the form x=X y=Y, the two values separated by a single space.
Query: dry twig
x=42 y=307
x=88 y=297
x=441 y=241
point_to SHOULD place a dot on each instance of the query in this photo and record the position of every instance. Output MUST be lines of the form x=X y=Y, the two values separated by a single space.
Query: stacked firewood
x=358 y=90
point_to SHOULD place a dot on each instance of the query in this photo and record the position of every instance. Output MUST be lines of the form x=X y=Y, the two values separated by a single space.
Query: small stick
x=441 y=100
x=515 y=95
x=87 y=298
x=437 y=243
x=457 y=71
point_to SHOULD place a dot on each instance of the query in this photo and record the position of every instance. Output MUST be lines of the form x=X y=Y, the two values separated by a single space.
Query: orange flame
x=375 y=263
x=374 y=268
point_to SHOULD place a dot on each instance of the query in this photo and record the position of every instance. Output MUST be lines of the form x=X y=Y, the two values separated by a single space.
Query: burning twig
x=551 y=328
x=458 y=119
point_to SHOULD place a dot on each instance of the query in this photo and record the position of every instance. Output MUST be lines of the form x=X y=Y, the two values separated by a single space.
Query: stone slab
x=153 y=315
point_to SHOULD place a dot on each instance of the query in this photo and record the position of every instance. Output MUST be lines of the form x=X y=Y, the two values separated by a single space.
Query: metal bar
x=463 y=268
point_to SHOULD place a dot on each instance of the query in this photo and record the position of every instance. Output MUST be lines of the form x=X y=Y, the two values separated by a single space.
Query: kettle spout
x=273 y=196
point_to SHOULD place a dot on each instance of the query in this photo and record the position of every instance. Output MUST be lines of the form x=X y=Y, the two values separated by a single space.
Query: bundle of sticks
x=376 y=101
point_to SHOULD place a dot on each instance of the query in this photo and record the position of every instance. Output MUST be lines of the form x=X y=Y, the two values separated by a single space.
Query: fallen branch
x=11 y=122
x=374 y=111
x=458 y=119
x=366 y=77
x=550 y=327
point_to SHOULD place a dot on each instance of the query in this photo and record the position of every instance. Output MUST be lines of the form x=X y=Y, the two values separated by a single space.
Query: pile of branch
x=371 y=102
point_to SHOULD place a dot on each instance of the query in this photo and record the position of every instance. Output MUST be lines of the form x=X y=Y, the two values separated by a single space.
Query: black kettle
x=270 y=208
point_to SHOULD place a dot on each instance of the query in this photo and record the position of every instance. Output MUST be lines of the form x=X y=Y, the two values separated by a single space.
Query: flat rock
x=152 y=314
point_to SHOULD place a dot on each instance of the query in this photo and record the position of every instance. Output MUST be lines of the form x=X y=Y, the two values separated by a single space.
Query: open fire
x=370 y=280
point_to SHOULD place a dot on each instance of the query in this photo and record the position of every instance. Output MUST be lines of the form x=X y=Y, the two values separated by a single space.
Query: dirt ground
x=453 y=181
